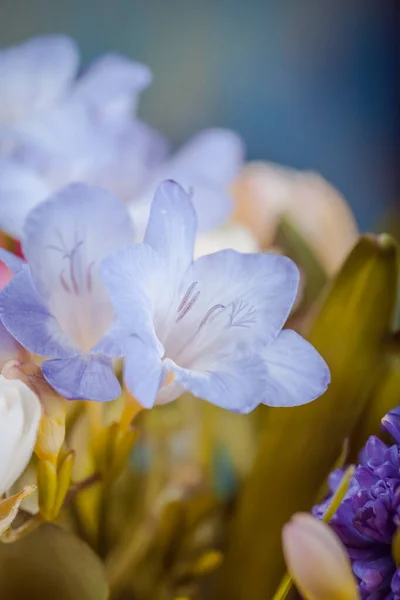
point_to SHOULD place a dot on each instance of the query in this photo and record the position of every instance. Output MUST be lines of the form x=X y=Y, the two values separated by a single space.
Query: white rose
x=20 y=413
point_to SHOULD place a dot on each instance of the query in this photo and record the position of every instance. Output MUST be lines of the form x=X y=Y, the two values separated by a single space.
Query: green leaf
x=295 y=246
x=51 y=563
x=385 y=396
x=300 y=444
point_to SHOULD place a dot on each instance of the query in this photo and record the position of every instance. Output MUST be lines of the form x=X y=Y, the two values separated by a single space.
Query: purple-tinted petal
x=214 y=155
x=297 y=373
x=396 y=583
x=64 y=145
x=250 y=294
x=29 y=321
x=233 y=381
x=143 y=280
x=14 y=263
x=34 y=75
x=83 y=378
x=131 y=150
x=111 y=85
x=374 y=452
x=143 y=372
x=20 y=190
x=373 y=574
x=65 y=239
x=205 y=167
x=133 y=277
x=391 y=422
x=114 y=341
x=171 y=230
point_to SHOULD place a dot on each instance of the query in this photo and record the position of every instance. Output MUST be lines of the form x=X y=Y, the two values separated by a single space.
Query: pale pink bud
x=317 y=560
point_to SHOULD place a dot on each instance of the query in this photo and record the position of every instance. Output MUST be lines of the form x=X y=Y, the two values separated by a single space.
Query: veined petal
x=34 y=75
x=205 y=166
x=29 y=321
x=297 y=373
x=65 y=238
x=143 y=372
x=231 y=297
x=171 y=230
x=111 y=85
x=21 y=189
x=235 y=381
x=143 y=280
x=83 y=378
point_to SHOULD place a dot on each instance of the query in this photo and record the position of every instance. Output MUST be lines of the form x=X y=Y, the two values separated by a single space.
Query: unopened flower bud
x=317 y=560
x=51 y=432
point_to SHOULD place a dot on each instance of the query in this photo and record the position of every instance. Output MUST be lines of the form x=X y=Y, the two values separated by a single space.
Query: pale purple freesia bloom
x=212 y=326
x=205 y=166
x=56 y=305
x=57 y=128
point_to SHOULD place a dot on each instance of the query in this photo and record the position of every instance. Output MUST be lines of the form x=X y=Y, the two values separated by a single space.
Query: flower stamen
x=210 y=312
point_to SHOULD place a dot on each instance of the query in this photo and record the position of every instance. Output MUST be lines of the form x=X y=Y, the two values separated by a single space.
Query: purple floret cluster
x=368 y=518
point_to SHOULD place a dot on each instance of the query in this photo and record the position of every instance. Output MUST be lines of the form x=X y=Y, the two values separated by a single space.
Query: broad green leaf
x=295 y=246
x=385 y=396
x=51 y=563
x=300 y=444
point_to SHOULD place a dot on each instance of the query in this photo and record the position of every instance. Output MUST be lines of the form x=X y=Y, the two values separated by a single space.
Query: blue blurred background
x=310 y=83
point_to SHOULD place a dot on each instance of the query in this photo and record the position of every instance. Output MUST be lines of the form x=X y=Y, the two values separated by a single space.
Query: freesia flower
x=20 y=412
x=265 y=192
x=317 y=560
x=368 y=518
x=205 y=166
x=56 y=306
x=209 y=326
x=56 y=129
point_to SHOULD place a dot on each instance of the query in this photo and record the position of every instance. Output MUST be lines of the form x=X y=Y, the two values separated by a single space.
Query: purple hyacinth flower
x=212 y=326
x=369 y=516
x=56 y=306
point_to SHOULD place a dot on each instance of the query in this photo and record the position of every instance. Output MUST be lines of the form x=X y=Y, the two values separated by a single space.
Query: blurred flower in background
x=266 y=193
x=55 y=130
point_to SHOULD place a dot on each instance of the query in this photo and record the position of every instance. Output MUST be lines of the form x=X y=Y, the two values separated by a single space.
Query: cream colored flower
x=265 y=192
x=317 y=560
x=20 y=413
x=231 y=235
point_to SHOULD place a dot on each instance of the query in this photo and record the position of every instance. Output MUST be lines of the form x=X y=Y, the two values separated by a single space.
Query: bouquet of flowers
x=189 y=346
